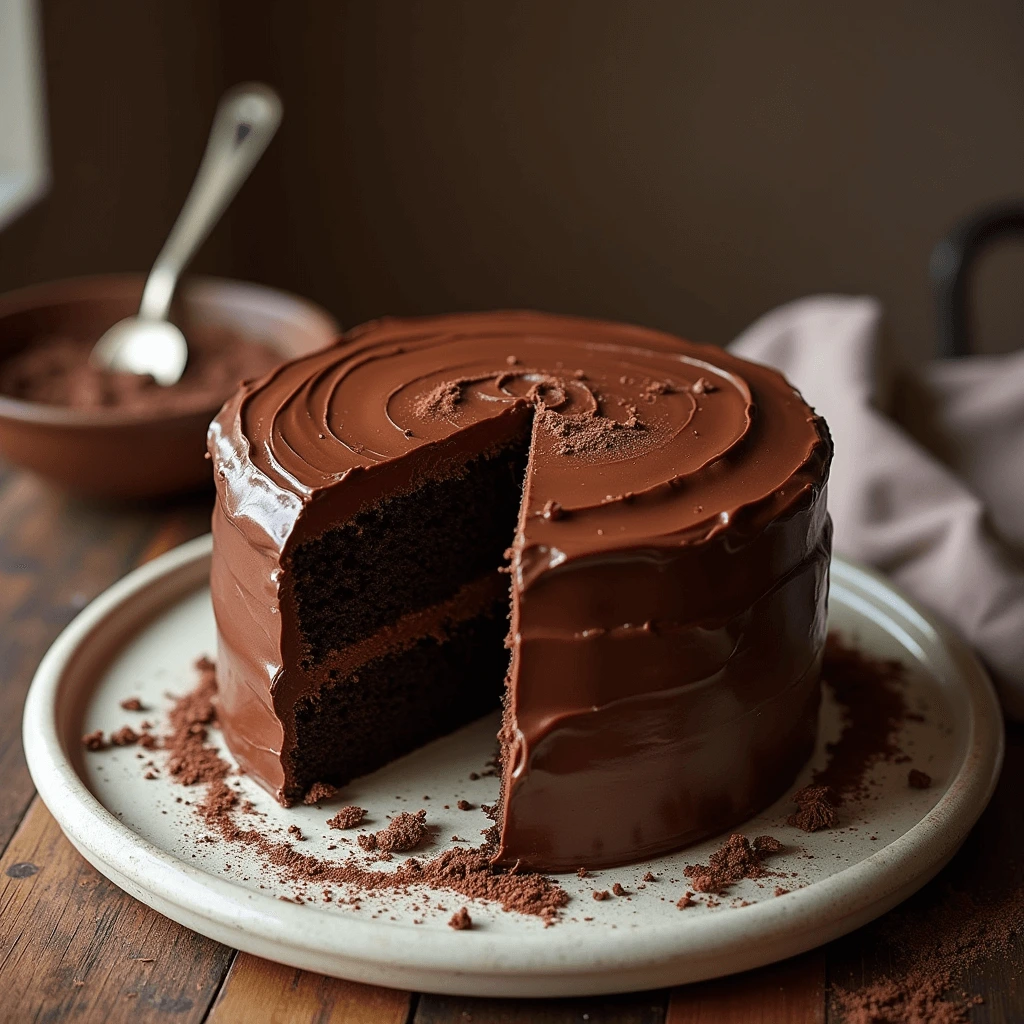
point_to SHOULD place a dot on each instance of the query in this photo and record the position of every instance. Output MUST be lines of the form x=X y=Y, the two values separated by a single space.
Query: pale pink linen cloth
x=940 y=512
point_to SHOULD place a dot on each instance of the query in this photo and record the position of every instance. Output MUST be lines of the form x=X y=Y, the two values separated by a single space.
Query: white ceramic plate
x=141 y=638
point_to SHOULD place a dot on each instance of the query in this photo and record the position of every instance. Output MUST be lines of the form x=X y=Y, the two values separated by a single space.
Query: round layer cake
x=617 y=536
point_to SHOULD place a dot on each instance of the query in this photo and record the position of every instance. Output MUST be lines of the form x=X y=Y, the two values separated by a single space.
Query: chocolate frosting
x=669 y=571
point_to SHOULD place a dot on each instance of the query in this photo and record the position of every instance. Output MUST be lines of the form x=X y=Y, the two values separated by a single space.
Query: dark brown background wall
x=684 y=165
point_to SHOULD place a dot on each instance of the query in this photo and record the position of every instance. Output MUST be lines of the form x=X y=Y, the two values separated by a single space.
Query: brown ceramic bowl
x=118 y=453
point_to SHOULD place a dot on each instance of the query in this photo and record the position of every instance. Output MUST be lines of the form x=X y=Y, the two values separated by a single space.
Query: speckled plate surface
x=142 y=637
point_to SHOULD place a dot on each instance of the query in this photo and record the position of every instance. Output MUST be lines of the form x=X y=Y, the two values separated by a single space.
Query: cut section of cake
x=618 y=536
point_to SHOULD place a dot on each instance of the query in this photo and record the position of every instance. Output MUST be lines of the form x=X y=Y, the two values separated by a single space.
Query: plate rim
x=363 y=951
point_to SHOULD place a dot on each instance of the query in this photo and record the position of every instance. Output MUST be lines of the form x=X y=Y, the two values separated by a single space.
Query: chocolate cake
x=617 y=536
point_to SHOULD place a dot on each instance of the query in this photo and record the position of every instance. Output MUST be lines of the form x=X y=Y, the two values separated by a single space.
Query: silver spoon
x=245 y=122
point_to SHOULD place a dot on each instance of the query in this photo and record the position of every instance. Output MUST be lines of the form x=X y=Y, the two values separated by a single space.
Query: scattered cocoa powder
x=816 y=809
x=126 y=736
x=869 y=692
x=736 y=859
x=779 y=891
x=460 y=920
x=929 y=948
x=347 y=817
x=468 y=872
x=132 y=704
x=94 y=740
x=318 y=793
x=918 y=779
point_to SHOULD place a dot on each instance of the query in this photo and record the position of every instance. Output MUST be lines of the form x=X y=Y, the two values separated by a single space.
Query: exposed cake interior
x=402 y=614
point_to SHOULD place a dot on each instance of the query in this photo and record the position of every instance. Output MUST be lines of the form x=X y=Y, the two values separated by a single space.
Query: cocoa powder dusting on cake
x=347 y=817
x=441 y=402
x=590 y=433
x=460 y=920
x=816 y=809
x=918 y=780
x=318 y=793
x=735 y=860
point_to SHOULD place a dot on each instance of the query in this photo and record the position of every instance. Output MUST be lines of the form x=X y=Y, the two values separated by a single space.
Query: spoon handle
x=246 y=120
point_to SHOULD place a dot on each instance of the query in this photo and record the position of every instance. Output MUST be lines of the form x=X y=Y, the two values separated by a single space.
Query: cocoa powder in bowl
x=127 y=438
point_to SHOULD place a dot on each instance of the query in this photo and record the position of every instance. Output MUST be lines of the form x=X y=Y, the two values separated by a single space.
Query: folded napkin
x=933 y=495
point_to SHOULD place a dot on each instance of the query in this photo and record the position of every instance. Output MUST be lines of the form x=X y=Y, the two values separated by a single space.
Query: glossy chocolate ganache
x=658 y=508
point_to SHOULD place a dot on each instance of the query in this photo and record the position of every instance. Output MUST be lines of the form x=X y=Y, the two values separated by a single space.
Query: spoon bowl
x=165 y=348
x=246 y=119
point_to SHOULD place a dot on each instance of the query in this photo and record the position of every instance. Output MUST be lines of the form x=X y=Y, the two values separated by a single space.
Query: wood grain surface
x=73 y=947
x=286 y=995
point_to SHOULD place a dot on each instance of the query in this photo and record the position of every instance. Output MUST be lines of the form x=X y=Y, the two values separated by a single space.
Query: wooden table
x=73 y=946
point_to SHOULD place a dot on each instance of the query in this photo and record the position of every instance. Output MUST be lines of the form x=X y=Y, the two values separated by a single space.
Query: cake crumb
x=816 y=809
x=648 y=877
x=618 y=890
x=602 y=894
x=464 y=805
x=319 y=792
x=582 y=872
x=132 y=704
x=347 y=817
x=294 y=830
x=460 y=920
x=918 y=779
x=94 y=740
x=686 y=900
x=779 y=891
